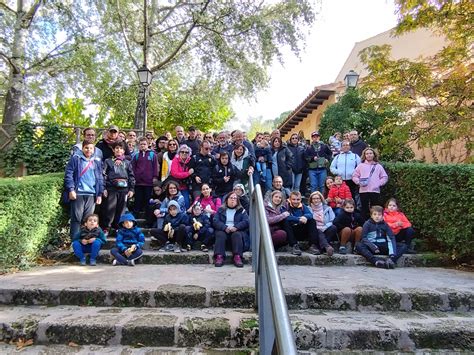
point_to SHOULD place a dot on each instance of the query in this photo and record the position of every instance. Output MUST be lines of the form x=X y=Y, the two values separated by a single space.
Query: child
x=199 y=228
x=338 y=192
x=399 y=224
x=263 y=157
x=224 y=175
x=119 y=186
x=171 y=194
x=154 y=203
x=129 y=242
x=244 y=199
x=174 y=229
x=377 y=238
x=89 y=239
x=349 y=226
x=145 y=169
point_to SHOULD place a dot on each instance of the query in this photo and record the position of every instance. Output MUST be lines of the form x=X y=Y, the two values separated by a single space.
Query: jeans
x=186 y=196
x=267 y=175
x=81 y=207
x=81 y=249
x=296 y=181
x=317 y=179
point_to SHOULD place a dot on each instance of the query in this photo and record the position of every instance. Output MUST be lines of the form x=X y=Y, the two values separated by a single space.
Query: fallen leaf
x=72 y=344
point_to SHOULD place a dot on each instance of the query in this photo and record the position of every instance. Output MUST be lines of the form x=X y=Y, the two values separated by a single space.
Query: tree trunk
x=140 y=112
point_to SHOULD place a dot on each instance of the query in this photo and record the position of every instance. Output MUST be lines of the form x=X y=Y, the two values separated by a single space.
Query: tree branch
x=49 y=55
x=9 y=61
x=6 y=7
x=28 y=17
x=127 y=44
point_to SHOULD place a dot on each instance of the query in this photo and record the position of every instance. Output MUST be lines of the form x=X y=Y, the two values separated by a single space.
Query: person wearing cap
x=317 y=154
x=106 y=144
x=193 y=142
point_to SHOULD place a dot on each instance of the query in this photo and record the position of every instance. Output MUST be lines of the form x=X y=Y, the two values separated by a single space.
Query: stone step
x=158 y=257
x=198 y=286
x=235 y=328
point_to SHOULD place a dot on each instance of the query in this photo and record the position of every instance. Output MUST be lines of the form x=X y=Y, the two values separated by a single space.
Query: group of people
x=192 y=191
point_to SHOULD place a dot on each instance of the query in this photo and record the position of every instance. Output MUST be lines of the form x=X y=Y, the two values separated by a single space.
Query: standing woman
x=181 y=172
x=298 y=161
x=241 y=159
x=282 y=161
x=370 y=176
x=166 y=158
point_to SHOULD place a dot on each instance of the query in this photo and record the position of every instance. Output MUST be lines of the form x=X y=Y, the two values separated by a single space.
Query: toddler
x=89 y=239
x=129 y=242
x=338 y=192
x=199 y=228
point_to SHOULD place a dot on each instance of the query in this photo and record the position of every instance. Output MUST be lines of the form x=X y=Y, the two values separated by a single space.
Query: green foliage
x=259 y=124
x=439 y=201
x=41 y=150
x=30 y=217
x=374 y=124
x=69 y=111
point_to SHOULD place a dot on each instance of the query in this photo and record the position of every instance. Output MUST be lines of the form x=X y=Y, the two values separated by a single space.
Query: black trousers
x=114 y=207
x=236 y=240
x=179 y=235
x=364 y=250
x=369 y=199
x=142 y=196
x=306 y=232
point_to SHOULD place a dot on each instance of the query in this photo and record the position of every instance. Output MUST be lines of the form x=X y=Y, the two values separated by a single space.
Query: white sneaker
x=114 y=262
x=177 y=248
x=131 y=263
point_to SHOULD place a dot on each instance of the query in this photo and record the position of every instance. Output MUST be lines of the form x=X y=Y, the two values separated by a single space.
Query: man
x=222 y=144
x=150 y=140
x=317 y=155
x=88 y=134
x=111 y=137
x=193 y=142
x=180 y=137
x=238 y=139
x=132 y=141
x=161 y=144
x=357 y=145
x=277 y=185
x=203 y=164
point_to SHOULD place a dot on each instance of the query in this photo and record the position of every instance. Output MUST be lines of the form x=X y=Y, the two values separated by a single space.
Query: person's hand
x=72 y=195
x=261 y=159
x=208 y=209
x=226 y=178
x=92 y=240
x=377 y=251
x=106 y=193
x=399 y=223
x=286 y=214
x=128 y=252
x=84 y=242
x=130 y=194
x=303 y=219
x=338 y=200
x=250 y=172
x=232 y=229
x=228 y=230
x=191 y=171
x=117 y=162
x=198 y=179
x=98 y=200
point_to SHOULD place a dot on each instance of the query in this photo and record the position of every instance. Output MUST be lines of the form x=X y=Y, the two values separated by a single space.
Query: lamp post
x=351 y=79
x=145 y=76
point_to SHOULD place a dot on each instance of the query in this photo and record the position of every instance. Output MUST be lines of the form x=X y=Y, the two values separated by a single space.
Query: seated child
x=89 y=239
x=199 y=228
x=378 y=239
x=173 y=233
x=243 y=198
x=399 y=224
x=349 y=226
x=338 y=193
x=263 y=157
x=154 y=203
x=129 y=241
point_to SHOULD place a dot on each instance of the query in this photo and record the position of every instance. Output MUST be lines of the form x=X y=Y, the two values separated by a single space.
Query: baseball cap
x=113 y=128
x=315 y=133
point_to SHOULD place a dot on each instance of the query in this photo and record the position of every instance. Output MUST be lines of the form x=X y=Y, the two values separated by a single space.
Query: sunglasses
x=172 y=144
x=184 y=152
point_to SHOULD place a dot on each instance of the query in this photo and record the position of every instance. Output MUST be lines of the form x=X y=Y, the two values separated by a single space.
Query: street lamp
x=351 y=79
x=145 y=76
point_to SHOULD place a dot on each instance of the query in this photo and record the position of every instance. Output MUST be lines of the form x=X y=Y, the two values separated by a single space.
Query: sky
x=338 y=26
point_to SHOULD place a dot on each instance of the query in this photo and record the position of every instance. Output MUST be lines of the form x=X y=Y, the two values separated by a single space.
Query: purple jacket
x=379 y=176
x=145 y=167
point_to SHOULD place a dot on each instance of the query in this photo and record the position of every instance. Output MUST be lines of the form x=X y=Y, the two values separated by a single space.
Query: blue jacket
x=241 y=222
x=127 y=237
x=202 y=218
x=73 y=173
x=379 y=233
x=297 y=212
x=176 y=221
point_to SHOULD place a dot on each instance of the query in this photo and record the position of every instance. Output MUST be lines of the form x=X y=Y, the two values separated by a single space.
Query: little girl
x=399 y=224
x=338 y=193
x=349 y=226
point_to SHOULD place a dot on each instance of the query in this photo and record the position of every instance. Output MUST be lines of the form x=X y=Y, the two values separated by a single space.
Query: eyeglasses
x=172 y=145
x=208 y=148
x=184 y=152
x=208 y=137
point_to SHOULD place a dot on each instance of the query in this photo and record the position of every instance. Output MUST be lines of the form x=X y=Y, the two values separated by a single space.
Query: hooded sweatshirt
x=128 y=237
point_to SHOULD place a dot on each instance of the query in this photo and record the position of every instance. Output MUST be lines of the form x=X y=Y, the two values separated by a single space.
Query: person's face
x=118 y=151
x=221 y=138
x=276 y=199
x=127 y=224
x=149 y=139
x=208 y=137
x=345 y=147
x=239 y=151
x=192 y=134
x=92 y=222
x=143 y=146
x=224 y=159
x=315 y=138
x=369 y=155
x=122 y=136
x=354 y=136
x=205 y=148
x=197 y=210
x=206 y=190
x=349 y=208
x=168 y=135
x=258 y=138
x=179 y=133
x=132 y=136
x=88 y=150
x=238 y=191
x=377 y=216
x=113 y=135
x=346 y=136
x=338 y=136
x=232 y=200
x=316 y=199
x=276 y=143
x=172 y=190
x=329 y=183
x=162 y=144
x=338 y=181
x=267 y=137
x=392 y=206
x=294 y=139
x=295 y=200
x=90 y=135
x=238 y=138
x=276 y=133
x=277 y=183
x=172 y=146
x=157 y=190
x=184 y=154
x=173 y=211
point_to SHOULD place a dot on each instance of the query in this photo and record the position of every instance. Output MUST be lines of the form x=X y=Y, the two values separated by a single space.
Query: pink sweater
x=379 y=176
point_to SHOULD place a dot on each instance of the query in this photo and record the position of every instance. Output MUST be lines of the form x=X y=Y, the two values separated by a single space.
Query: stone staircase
x=181 y=303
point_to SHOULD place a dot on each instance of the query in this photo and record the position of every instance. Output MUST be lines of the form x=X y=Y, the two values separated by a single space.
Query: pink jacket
x=379 y=176
x=179 y=171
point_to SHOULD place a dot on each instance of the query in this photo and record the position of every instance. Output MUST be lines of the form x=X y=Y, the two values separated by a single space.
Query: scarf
x=318 y=215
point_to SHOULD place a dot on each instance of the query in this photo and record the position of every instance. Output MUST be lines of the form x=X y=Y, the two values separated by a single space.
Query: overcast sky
x=338 y=26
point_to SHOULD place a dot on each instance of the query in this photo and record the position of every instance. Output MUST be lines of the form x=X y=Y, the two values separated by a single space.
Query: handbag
x=365 y=181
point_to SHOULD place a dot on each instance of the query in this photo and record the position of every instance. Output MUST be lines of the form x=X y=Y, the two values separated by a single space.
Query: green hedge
x=30 y=217
x=439 y=201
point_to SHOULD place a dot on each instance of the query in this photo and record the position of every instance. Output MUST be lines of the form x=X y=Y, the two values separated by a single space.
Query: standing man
x=193 y=142
x=203 y=164
x=238 y=139
x=317 y=155
x=89 y=135
x=180 y=137
x=357 y=144
x=222 y=144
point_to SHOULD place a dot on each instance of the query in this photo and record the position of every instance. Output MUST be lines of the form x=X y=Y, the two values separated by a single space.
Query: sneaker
x=131 y=262
x=390 y=264
x=342 y=250
x=153 y=239
x=204 y=248
x=93 y=263
x=177 y=248
x=106 y=232
x=349 y=247
x=83 y=262
x=381 y=264
x=115 y=262
x=411 y=251
x=188 y=247
x=314 y=250
x=296 y=250
x=329 y=250
x=238 y=261
x=219 y=261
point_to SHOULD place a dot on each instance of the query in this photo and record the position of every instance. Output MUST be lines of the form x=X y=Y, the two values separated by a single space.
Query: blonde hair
x=376 y=155
x=323 y=200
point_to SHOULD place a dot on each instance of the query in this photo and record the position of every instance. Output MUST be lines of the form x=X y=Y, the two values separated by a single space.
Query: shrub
x=30 y=217
x=439 y=201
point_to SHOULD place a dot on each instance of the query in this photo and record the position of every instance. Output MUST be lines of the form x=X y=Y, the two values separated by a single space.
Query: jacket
x=328 y=217
x=298 y=157
x=128 y=237
x=242 y=163
x=373 y=232
x=297 y=212
x=176 y=221
x=145 y=167
x=180 y=171
x=108 y=152
x=379 y=177
x=178 y=198
x=202 y=218
x=350 y=220
x=212 y=201
x=284 y=162
x=318 y=150
x=274 y=215
x=85 y=233
x=342 y=191
x=358 y=147
x=123 y=171
x=73 y=173
x=391 y=218
x=263 y=152
x=344 y=165
x=241 y=222
x=203 y=166
x=220 y=171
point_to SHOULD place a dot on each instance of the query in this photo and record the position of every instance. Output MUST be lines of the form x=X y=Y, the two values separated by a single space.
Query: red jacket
x=342 y=191
x=391 y=218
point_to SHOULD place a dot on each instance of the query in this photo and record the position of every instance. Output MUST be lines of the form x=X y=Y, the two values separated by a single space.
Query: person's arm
x=69 y=175
x=101 y=237
x=217 y=223
x=346 y=193
x=290 y=163
x=307 y=213
x=131 y=177
x=331 y=217
x=141 y=239
x=243 y=224
x=382 y=175
x=356 y=175
x=119 y=242
x=176 y=172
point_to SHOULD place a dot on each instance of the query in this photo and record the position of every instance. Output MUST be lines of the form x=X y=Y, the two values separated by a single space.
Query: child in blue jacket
x=173 y=233
x=199 y=228
x=129 y=241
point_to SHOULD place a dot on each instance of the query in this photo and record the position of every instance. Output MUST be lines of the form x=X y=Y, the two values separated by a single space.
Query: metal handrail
x=275 y=331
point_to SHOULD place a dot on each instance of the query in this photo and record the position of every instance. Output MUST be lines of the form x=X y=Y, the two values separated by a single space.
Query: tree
x=259 y=124
x=435 y=94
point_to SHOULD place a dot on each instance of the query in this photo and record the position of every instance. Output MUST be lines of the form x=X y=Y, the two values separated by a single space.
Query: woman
x=181 y=172
x=298 y=161
x=231 y=223
x=370 y=176
x=209 y=203
x=282 y=161
x=166 y=159
x=241 y=160
x=171 y=194
x=323 y=215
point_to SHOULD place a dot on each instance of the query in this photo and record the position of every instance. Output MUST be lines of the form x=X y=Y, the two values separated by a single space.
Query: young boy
x=89 y=239
x=199 y=228
x=378 y=239
x=129 y=242
x=338 y=193
x=174 y=229
x=119 y=186
x=145 y=170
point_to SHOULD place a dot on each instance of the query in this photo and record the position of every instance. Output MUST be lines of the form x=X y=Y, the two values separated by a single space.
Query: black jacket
x=345 y=219
x=284 y=160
